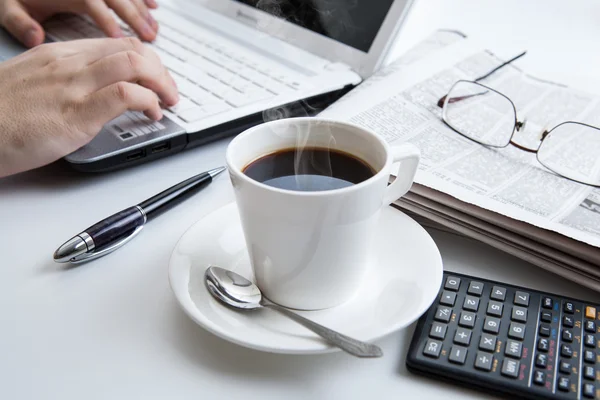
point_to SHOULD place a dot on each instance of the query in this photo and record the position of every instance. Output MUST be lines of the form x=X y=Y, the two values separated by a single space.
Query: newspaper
x=401 y=105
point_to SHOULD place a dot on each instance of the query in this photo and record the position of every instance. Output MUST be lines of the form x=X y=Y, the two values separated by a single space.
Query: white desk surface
x=112 y=329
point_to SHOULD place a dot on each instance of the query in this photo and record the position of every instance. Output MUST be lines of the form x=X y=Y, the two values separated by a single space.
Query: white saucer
x=401 y=286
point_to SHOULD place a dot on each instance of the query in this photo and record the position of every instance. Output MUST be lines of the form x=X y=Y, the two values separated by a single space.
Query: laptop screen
x=352 y=22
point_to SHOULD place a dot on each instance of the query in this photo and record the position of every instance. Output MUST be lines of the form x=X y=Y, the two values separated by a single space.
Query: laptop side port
x=159 y=148
x=135 y=155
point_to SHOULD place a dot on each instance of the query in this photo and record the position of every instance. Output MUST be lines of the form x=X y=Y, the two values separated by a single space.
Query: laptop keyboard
x=213 y=75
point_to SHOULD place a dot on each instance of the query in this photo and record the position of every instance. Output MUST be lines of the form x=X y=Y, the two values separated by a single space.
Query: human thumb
x=16 y=20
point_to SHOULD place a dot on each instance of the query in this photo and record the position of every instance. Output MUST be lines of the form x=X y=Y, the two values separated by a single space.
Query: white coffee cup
x=311 y=250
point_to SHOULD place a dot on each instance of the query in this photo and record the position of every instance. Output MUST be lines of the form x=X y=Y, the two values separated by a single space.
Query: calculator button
x=539 y=378
x=568 y=308
x=521 y=298
x=448 y=298
x=462 y=336
x=467 y=319
x=589 y=356
x=471 y=303
x=475 y=288
x=588 y=372
x=432 y=348
x=452 y=283
x=498 y=293
x=568 y=321
x=438 y=331
x=510 y=368
x=590 y=312
x=566 y=351
x=590 y=341
x=487 y=342
x=589 y=390
x=519 y=314
x=590 y=326
x=483 y=361
x=547 y=302
x=544 y=330
x=565 y=367
x=543 y=345
x=567 y=335
x=563 y=384
x=513 y=348
x=546 y=316
x=458 y=354
x=491 y=325
x=494 y=309
x=443 y=314
x=541 y=360
x=516 y=331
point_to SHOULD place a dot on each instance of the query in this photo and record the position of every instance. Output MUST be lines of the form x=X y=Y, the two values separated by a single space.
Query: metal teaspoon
x=238 y=292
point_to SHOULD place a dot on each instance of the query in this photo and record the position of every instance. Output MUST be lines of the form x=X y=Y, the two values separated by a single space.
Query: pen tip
x=216 y=171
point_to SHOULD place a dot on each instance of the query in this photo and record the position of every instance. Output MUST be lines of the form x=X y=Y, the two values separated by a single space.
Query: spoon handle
x=346 y=343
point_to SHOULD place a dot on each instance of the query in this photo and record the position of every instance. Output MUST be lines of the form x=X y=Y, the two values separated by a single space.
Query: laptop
x=238 y=63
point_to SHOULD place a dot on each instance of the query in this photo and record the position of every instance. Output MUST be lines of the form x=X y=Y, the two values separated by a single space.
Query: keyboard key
x=590 y=341
x=589 y=372
x=544 y=330
x=498 y=293
x=471 y=303
x=565 y=367
x=566 y=351
x=546 y=316
x=467 y=319
x=516 y=331
x=432 y=348
x=487 y=342
x=567 y=335
x=567 y=321
x=494 y=309
x=438 y=331
x=589 y=390
x=568 y=307
x=589 y=356
x=452 y=283
x=443 y=314
x=543 y=345
x=510 y=368
x=541 y=360
x=448 y=298
x=547 y=303
x=563 y=384
x=491 y=325
x=521 y=298
x=483 y=361
x=539 y=378
x=513 y=348
x=458 y=354
x=519 y=314
x=462 y=336
x=475 y=288
x=590 y=312
x=590 y=326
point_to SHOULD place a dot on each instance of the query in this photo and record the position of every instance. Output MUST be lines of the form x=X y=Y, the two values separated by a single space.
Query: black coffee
x=309 y=170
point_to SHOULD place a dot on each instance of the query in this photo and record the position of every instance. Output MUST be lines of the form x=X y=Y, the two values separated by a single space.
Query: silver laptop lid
x=355 y=32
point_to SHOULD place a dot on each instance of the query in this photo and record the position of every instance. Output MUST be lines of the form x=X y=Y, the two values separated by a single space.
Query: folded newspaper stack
x=502 y=197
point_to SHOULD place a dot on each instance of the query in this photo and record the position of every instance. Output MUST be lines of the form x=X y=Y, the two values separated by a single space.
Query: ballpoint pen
x=118 y=229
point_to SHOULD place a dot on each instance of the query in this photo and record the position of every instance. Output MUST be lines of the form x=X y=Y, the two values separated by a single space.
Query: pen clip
x=97 y=254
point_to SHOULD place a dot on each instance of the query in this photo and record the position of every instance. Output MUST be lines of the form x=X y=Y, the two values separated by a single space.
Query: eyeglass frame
x=517 y=126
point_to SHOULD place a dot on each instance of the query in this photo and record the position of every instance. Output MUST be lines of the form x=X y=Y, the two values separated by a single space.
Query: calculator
x=509 y=340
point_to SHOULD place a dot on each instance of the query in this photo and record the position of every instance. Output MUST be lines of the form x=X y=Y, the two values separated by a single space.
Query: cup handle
x=408 y=156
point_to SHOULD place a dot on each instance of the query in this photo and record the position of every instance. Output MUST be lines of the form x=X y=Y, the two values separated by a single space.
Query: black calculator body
x=509 y=340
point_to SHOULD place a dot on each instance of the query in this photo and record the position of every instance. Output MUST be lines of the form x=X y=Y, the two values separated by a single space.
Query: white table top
x=112 y=329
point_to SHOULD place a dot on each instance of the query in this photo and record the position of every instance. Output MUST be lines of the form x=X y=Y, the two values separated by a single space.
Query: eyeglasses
x=488 y=117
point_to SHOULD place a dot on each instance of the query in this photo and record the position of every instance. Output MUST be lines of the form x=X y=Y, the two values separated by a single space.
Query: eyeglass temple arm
x=440 y=102
x=458 y=98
